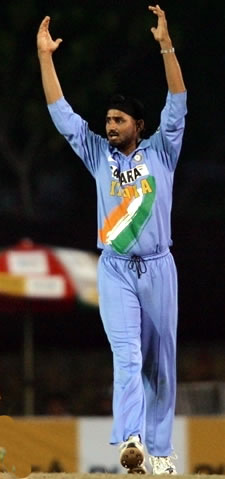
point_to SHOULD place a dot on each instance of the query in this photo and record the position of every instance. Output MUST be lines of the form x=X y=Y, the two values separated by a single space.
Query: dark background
x=47 y=195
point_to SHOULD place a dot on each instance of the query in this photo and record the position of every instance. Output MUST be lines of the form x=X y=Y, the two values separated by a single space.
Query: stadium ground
x=78 y=475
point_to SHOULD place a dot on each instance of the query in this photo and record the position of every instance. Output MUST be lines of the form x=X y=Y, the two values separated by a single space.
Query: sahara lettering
x=127 y=177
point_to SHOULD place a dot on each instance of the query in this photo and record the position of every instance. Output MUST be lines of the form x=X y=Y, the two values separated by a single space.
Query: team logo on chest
x=138 y=157
x=129 y=176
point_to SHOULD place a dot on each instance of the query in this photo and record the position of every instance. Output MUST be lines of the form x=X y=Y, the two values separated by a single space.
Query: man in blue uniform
x=136 y=274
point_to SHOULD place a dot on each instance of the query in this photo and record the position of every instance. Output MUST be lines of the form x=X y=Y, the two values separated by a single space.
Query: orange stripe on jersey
x=116 y=214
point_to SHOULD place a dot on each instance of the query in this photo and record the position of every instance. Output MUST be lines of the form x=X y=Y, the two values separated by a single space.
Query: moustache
x=113 y=133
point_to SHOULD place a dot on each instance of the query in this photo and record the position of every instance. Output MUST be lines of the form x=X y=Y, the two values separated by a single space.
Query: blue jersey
x=134 y=192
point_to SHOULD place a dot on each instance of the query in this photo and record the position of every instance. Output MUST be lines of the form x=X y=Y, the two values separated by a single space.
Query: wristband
x=169 y=50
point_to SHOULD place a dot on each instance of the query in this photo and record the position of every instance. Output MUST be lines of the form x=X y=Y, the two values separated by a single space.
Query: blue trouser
x=140 y=319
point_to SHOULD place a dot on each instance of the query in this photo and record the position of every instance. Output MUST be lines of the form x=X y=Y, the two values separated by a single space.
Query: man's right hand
x=45 y=44
x=46 y=47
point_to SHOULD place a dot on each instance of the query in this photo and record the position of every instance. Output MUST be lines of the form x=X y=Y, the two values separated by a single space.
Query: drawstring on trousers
x=137 y=263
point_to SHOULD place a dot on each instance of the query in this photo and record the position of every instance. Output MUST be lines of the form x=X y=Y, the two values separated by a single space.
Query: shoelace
x=167 y=461
x=137 y=263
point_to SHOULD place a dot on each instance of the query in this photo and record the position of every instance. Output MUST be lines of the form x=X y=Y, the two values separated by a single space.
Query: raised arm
x=172 y=68
x=46 y=47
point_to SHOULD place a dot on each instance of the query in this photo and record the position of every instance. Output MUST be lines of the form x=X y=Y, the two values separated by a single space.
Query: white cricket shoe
x=132 y=455
x=162 y=465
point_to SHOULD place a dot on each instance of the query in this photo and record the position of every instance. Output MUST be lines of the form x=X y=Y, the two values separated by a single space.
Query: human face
x=122 y=130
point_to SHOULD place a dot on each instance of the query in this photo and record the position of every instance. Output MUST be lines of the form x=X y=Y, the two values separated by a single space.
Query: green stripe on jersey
x=123 y=242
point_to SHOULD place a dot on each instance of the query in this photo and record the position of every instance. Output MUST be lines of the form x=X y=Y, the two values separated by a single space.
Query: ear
x=140 y=125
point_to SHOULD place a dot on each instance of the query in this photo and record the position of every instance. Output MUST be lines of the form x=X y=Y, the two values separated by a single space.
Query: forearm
x=50 y=81
x=172 y=68
x=173 y=72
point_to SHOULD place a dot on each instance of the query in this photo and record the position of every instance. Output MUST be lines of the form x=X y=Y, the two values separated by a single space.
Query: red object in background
x=38 y=265
x=36 y=278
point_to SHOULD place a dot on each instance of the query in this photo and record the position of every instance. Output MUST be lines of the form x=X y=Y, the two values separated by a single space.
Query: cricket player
x=137 y=277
